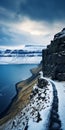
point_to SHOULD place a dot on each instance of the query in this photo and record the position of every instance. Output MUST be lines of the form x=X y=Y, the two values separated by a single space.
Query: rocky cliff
x=54 y=58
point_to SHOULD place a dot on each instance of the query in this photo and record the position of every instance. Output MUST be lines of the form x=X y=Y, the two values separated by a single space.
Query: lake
x=10 y=74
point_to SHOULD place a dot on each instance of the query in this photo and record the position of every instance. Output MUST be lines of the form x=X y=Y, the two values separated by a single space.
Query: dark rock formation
x=55 y=122
x=54 y=58
x=42 y=83
x=38 y=117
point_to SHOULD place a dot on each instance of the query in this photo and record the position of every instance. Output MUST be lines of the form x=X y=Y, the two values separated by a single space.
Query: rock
x=55 y=126
x=42 y=83
x=38 y=117
x=53 y=58
x=54 y=119
x=54 y=112
x=34 y=92
x=14 y=123
x=26 y=127
x=61 y=76
x=31 y=96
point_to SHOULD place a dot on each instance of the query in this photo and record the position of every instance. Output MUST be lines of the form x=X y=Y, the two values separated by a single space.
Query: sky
x=30 y=21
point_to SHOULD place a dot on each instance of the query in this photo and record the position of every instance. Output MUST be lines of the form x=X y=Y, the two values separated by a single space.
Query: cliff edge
x=53 y=58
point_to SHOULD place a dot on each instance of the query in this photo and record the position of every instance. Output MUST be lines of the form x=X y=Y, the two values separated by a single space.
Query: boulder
x=55 y=126
x=42 y=83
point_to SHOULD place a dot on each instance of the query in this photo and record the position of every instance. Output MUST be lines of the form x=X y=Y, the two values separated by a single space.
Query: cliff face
x=54 y=58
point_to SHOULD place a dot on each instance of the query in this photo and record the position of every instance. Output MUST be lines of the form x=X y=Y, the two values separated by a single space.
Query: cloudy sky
x=30 y=21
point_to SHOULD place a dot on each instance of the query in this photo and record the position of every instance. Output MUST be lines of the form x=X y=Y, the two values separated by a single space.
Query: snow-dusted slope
x=26 y=54
x=36 y=114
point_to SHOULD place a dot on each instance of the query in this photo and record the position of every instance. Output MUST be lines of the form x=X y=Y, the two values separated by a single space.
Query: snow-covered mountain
x=27 y=54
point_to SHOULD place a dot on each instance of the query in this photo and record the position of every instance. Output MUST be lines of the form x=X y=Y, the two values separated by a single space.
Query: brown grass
x=22 y=98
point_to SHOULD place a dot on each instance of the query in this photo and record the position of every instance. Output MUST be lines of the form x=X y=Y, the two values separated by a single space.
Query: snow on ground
x=61 y=95
x=20 y=60
x=36 y=114
x=60 y=86
x=60 y=34
x=43 y=124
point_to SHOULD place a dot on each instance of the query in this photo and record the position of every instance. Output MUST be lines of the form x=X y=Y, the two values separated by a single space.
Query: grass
x=24 y=90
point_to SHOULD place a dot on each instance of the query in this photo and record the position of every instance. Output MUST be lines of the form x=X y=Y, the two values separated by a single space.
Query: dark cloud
x=48 y=10
x=5 y=37
x=13 y=11
x=9 y=4
x=44 y=9
x=9 y=10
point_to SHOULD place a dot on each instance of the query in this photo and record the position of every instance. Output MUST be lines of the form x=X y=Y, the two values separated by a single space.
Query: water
x=9 y=76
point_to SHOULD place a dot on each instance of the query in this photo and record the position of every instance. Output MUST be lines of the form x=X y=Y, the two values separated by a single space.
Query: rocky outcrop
x=54 y=58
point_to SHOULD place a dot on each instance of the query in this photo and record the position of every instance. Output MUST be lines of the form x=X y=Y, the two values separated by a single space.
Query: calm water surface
x=9 y=76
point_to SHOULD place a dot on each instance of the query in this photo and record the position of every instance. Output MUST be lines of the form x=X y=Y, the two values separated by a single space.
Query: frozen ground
x=60 y=86
x=20 y=60
x=61 y=95
x=36 y=114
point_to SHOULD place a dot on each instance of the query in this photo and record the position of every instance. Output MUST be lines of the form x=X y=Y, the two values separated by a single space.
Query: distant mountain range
x=26 y=52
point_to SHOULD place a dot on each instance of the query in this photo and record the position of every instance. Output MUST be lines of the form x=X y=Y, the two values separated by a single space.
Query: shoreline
x=21 y=99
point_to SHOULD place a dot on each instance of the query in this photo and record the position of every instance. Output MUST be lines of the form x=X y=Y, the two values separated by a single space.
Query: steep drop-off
x=53 y=58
